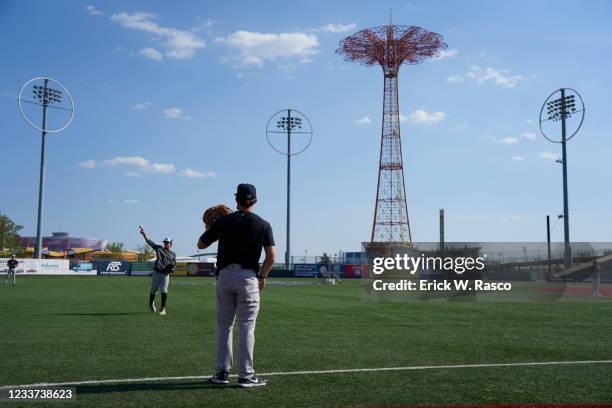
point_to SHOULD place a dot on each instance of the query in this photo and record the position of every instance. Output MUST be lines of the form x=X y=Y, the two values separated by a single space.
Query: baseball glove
x=212 y=214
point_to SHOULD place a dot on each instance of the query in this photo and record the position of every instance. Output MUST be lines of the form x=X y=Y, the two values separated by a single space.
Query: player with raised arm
x=165 y=263
x=241 y=235
x=12 y=265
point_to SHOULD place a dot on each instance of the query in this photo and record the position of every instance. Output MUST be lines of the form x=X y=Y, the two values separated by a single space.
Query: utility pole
x=548 y=242
x=442 y=243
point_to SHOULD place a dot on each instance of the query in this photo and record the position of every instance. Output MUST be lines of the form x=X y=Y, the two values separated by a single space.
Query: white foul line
x=341 y=371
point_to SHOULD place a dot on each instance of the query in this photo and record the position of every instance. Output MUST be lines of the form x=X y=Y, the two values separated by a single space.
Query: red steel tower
x=390 y=46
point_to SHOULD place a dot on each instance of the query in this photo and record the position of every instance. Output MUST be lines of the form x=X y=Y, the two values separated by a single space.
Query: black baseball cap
x=246 y=192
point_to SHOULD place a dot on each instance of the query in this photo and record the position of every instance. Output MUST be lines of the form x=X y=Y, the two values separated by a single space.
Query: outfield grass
x=56 y=329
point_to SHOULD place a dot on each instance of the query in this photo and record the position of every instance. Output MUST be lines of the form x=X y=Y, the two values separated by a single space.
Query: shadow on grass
x=108 y=388
x=90 y=314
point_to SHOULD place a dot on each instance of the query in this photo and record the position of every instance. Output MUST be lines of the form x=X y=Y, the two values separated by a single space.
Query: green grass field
x=56 y=329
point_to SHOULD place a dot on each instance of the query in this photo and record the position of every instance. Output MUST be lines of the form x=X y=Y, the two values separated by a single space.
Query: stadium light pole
x=561 y=109
x=289 y=122
x=42 y=95
x=46 y=97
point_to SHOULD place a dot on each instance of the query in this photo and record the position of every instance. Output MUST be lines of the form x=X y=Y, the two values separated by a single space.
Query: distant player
x=164 y=266
x=242 y=235
x=596 y=276
x=12 y=264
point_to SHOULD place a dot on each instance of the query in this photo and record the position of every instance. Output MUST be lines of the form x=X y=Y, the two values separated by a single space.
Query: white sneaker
x=152 y=307
x=162 y=312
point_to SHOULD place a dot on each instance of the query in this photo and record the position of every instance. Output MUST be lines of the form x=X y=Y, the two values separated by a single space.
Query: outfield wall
x=28 y=266
x=44 y=267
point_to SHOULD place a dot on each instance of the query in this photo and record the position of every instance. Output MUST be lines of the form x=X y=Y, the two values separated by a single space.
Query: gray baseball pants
x=596 y=286
x=161 y=281
x=237 y=294
x=9 y=272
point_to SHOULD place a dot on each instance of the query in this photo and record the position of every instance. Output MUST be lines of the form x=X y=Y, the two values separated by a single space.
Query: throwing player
x=12 y=265
x=164 y=266
x=241 y=235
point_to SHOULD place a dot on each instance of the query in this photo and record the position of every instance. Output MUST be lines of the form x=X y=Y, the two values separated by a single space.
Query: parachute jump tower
x=390 y=46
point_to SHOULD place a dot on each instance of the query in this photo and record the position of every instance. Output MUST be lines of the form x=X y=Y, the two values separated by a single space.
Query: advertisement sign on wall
x=141 y=268
x=304 y=270
x=113 y=267
x=352 y=271
x=81 y=266
x=353 y=258
x=201 y=269
x=42 y=267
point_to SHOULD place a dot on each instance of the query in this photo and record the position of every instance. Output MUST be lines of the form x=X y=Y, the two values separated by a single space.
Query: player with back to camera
x=242 y=235
x=165 y=263
x=12 y=265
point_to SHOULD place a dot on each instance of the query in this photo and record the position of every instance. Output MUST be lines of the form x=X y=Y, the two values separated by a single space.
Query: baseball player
x=241 y=235
x=164 y=266
x=12 y=264
x=596 y=276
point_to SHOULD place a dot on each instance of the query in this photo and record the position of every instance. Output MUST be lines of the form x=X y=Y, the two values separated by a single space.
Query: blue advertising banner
x=82 y=266
x=113 y=267
x=353 y=258
x=304 y=270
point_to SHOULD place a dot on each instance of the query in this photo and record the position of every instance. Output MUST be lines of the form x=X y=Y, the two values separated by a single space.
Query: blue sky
x=172 y=100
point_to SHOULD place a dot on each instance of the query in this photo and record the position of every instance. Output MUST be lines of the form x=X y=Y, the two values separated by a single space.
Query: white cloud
x=92 y=11
x=421 y=116
x=151 y=53
x=363 y=121
x=507 y=140
x=500 y=77
x=131 y=201
x=528 y=135
x=402 y=118
x=141 y=106
x=143 y=164
x=257 y=48
x=517 y=218
x=445 y=54
x=190 y=173
x=549 y=156
x=517 y=158
x=178 y=44
x=175 y=113
x=88 y=164
x=133 y=174
x=132 y=161
x=337 y=28
x=160 y=168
